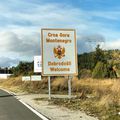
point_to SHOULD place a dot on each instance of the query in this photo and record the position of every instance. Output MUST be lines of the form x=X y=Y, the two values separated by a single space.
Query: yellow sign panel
x=59 y=52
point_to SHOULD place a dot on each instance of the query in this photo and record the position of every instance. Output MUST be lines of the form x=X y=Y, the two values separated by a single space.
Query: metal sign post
x=69 y=85
x=49 y=88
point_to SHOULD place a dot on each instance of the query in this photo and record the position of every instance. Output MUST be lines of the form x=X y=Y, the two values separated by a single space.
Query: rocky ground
x=41 y=103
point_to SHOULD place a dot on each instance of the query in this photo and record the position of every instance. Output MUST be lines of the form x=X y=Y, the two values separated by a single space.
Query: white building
x=4 y=76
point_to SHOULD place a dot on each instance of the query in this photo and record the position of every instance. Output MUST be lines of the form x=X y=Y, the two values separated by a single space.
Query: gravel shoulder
x=53 y=112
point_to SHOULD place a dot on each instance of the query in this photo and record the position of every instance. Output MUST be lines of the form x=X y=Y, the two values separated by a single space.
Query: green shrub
x=100 y=70
x=85 y=73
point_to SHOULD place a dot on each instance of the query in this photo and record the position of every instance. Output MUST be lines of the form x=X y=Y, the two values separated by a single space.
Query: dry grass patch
x=59 y=84
x=94 y=96
x=12 y=84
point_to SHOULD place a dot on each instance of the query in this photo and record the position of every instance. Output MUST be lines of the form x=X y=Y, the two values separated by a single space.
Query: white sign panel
x=37 y=64
x=59 y=54
x=26 y=78
x=35 y=78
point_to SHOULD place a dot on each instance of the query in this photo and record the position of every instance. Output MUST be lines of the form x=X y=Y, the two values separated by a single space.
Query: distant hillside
x=97 y=64
x=88 y=61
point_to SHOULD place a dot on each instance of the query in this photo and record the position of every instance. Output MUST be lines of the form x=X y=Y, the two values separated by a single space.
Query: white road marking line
x=34 y=111
x=11 y=93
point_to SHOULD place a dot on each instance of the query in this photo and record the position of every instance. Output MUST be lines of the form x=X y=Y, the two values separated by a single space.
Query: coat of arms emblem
x=59 y=52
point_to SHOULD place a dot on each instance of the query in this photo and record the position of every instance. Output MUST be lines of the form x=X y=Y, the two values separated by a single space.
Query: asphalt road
x=12 y=109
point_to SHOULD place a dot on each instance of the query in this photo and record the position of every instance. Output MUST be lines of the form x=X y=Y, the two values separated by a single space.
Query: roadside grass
x=13 y=84
x=96 y=97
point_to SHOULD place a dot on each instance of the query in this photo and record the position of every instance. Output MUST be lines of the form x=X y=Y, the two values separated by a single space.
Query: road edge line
x=28 y=106
x=11 y=93
x=34 y=111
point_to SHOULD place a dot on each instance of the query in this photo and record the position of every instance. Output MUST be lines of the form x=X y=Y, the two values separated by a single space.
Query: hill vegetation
x=98 y=64
x=101 y=64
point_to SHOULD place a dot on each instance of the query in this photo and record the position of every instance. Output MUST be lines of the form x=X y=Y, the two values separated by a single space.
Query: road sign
x=37 y=64
x=26 y=78
x=36 y=78
x=59 y=53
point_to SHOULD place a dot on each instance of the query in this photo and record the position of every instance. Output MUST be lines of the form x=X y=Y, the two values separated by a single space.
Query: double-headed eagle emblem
x=59 y=52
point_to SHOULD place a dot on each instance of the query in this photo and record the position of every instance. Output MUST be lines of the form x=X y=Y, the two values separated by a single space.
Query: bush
x=84 y=73
x=100 y=70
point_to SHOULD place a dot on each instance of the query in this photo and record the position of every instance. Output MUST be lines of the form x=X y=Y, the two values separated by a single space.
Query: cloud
x=23 y=46
x=21 y=22
x=113 y=45
x=7 y=62
x=88 y=43
x=51 y=15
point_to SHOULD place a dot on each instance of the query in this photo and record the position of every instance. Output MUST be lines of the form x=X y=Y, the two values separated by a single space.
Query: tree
x=99 y=55
x=23 y=68
x=100 y=70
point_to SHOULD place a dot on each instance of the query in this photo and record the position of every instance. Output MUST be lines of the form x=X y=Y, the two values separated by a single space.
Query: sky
x=21 y=21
